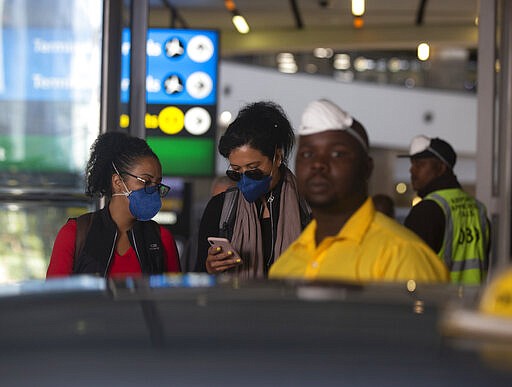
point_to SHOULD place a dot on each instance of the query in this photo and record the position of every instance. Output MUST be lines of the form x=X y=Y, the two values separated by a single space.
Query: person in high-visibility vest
x=452 y=222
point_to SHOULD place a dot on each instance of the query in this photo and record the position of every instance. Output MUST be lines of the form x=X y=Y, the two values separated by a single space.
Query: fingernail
x=230 y=252
x=238 y=260
x=219 y=249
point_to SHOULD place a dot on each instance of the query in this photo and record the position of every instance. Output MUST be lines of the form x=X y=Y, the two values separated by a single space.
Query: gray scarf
x=247 y=237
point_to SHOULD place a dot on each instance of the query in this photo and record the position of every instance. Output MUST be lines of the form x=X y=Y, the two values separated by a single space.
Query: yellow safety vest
x=466 y=235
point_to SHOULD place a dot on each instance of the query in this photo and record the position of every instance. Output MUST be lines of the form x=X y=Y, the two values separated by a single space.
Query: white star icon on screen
x=174 y=48
x=173 y=84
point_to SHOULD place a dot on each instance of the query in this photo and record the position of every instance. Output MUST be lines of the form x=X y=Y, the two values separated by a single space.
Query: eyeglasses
x=255 y=174
x=149 y=187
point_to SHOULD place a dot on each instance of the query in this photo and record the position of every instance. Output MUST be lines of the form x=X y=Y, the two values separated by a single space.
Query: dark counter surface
x=221 y=332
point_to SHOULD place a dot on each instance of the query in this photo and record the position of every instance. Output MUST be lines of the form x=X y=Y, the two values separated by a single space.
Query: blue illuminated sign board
x=181 y=97
x=181 y=67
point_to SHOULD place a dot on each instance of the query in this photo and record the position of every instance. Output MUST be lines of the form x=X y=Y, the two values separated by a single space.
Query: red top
x=61 y=261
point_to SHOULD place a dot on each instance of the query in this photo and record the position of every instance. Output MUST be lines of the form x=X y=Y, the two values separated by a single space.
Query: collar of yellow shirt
x=355 y=228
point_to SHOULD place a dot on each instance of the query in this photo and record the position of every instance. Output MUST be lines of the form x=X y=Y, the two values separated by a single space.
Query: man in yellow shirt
x=347 y=238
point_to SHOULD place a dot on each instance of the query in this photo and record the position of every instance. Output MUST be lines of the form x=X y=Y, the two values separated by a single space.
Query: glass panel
x=50 y=82
x=28 y=230
x=50 y=71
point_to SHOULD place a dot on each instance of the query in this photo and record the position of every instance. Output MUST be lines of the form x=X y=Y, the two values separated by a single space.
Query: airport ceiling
x=302 y=25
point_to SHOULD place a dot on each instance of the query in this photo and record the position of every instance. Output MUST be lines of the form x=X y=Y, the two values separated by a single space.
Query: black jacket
x=210 y=225
x=426 y=218
x=99 y=233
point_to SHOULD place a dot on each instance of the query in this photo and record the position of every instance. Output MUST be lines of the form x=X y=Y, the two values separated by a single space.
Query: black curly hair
x=112 y=147
x=263 y=126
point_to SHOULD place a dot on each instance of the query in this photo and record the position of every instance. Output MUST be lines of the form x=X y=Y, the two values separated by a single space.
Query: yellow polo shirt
x=369 y=247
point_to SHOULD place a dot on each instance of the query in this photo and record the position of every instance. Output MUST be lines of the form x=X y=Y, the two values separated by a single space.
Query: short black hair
x=118 y=148
x=263 y=126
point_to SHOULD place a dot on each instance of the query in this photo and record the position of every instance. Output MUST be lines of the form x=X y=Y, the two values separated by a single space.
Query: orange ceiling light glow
x=238 y=20
x=230 y=5
x=358 y=9
x=358 y=22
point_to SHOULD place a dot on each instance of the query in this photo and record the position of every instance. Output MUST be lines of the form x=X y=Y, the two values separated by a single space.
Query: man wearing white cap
x=347 y=238
x=449 y=220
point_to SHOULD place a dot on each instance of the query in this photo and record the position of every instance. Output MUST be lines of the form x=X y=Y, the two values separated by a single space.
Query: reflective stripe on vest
x=466 y=235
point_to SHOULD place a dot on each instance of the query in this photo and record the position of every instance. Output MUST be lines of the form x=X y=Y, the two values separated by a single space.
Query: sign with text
x=181 y=97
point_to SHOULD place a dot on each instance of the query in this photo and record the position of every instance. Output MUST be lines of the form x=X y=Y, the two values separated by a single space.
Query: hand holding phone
x=225 y=244
x=225 y=258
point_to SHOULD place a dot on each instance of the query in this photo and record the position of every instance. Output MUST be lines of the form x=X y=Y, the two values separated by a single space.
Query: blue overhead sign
x=181 y=97
x=181 y=67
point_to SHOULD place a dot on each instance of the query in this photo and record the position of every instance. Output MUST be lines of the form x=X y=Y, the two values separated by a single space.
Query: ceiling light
x=358 y=7
x=225 y=118
x=238 y=20
x=394 y=65
x=361 y=64
x=341 y=62
x=423 y=51
x=401 y=188
x=321 y=52
x=240 y=23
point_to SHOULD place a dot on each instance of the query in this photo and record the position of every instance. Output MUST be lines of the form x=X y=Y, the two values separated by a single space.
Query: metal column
x=139 y=26
x=111 y=65
x=494 y=136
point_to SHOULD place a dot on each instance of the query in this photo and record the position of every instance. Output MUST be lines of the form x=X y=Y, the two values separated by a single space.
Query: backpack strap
x=228 y=214
x=83 y=224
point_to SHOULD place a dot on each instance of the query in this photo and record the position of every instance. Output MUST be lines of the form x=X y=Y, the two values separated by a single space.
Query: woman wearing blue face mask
x=120 y=239
x=264 y=213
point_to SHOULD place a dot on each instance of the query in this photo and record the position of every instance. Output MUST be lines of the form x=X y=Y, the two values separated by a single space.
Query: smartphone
x=225 y=244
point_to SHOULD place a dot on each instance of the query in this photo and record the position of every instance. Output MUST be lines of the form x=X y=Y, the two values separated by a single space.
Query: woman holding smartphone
x=264 y=213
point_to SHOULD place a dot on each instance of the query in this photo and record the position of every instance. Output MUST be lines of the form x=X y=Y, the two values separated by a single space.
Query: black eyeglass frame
x=255 y=174
x=162 y=189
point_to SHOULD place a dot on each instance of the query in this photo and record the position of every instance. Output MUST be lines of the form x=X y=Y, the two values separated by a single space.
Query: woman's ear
x=117 y=184
x=279 y=156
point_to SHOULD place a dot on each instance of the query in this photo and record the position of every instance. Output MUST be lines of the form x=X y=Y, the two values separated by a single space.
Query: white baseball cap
x=322 y=115
x=424 y=147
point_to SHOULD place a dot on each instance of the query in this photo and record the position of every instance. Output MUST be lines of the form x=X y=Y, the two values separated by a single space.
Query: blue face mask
x=253 y=189
x=144 y=206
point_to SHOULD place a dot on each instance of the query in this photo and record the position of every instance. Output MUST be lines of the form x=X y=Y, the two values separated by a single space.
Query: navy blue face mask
x=144 y=206
x=254 y=189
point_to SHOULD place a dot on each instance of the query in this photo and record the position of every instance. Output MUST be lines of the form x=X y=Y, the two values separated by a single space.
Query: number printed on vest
x=468 y=235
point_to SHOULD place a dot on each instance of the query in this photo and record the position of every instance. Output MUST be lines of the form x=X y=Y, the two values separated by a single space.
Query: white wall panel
x=392 y=115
